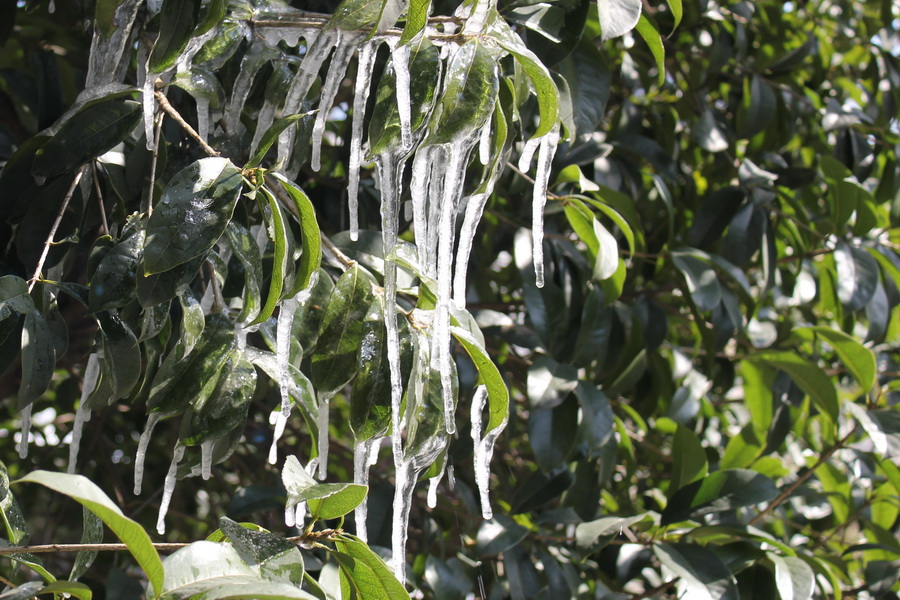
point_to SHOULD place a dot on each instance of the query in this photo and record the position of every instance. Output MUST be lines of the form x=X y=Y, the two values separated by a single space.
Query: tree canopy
x=525 y=299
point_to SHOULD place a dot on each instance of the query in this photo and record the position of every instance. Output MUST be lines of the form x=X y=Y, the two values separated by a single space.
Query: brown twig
x=49 y=241
x=101 y=204
x=157 y=134
x=170 y=110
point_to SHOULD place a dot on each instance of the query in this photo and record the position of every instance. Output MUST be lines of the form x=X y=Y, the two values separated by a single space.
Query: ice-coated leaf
x=596 y=534
x=416 y=19
x=192 y=214
x=340 y=333
x=363 y=572
x=14 y=526
x=702 y=572
x=794 y=578
x=857 y=275
x=311 y=245
x=489 y=375
x=353 y=15
x=720 y=491
x=278 y=233
x=325 y=500
x=122 y=364
x=467 y=99
x=92 y=533
x=649 y=30
x=88 y=133
x=177 y=21
x=424 y=73
x=105 y=16
x=68 y=588
x=856 y=357
x=247 y=252
x=113 y=283
x=270 y=137
x=86 y=492
x=617 y=17
x=212 y=416
x=276 y=558
x=211 y=15
x=38 y=358
x=808 y=376
x=370 y=397
x=498 y=535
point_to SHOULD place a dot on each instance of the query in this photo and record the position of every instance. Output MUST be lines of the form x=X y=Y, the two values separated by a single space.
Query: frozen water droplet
x=541 y=181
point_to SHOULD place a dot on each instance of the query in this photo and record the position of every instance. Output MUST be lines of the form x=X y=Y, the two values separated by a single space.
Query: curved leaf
x=717 y=492
x=311 y=245
x=702 y=572
x=178 y=19
x=364 y=572
x=489 y=374
x=809 y=377
x=278 y=233
x=617 y=17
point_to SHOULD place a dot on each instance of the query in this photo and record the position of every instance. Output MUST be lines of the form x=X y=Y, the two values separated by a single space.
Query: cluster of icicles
x=438 y=174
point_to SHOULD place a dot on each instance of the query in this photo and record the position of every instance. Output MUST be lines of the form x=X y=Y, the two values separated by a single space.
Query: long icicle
x=83 y=414
x=405 y=482
x=421 y=172
x=400 y=61
x=26 y=431
x=323 y=441
x=484 y=450
x=169 y=488
x=152 y=420
x=362 y=460
x=336 y=71
x=360 y=97
x=539 y=200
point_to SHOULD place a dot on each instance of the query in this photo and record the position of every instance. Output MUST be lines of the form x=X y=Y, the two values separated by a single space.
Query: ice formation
x=83 y=414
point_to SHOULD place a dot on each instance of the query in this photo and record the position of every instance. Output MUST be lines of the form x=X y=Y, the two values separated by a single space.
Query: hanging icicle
x=82 y=413
x=484 y=450
x=360 y=97
x=169 y=488
x=541 y=181
x=336 y=71
x=152 y=420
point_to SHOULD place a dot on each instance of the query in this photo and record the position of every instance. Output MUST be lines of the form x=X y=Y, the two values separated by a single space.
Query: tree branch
x=170 y=110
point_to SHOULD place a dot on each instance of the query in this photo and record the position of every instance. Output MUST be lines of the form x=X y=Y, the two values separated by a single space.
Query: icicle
x=168 y=489
x=474 y=210
x=206 y=457
x=476 y=20
x=400 y=60
x=541 y=181
x=202 y=117
x=263 y=122
x=433 y=484
x=456 y=165
x=149 y=104
x=108 y=59
x=421 y=172
x=51 y=8
x=336 y=71
x=323 y=439
x=528 y=153
x=26 y=431
x=152 y=420
x=83 y=414
x=484 y=144
x=241 y=89
x=294 y=515
x=279 y=420
x=186 y=58
x=436 y=188
x=283 y=339
x=309 y=68
x=360 y=96
x=363 y=453
x=405 y=486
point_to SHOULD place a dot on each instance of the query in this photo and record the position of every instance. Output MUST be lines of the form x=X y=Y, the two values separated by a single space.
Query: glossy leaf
x=702 y=572
x=247 y=252
x=498 y=535
x=856 y=357
x=596 y=534
x=192 y=214
x=363 y=571
x=857 y=275
x=717 y=492
x=155 y=289
x=689 y=461
x=271 y=136
x=178 y=19
x=90 y=496
x=809 y=377
x=122 y=367
x=617 y=17
x=311 y=258
x=489 y=374
x=649 y=30
x=325 y=500
x=215 y=414
x=794 y=578
x=278 y=234
x=92 y=533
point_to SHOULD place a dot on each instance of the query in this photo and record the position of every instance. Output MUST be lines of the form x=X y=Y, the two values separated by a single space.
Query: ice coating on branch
x=202 y=117
x=365 y=454
x=336 y=71
x=316 y=54
x=26 y=431
x=152 y=420
x=206 y=457
x=360 y=96
x=400 y=60
x=484 y=450
x=83 y=414
x=458 y=154
x=168 y=489
x=148 y=101
x=405 y=485
x=541 y=180
x=322 y=423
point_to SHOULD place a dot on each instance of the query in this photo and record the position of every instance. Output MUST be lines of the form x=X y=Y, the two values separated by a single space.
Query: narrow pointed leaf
x=279 y=236
x=649 y=30
x=310 y=244
x=247 y=252
x=498 y=393
x=808 y=376
x=270 y=137
x=717 y=492
x=703 y=573
x=857 y=358
x=178 y=19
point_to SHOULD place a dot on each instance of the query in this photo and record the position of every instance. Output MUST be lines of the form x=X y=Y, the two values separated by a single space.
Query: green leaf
x=94 y=129
x=424 y=73
x=717 y=492
x=214 y=415
x=70 y=588
x=213 y=14
x=550 y=382
x=276 y=558
x=551 y=433
x=649 y=30
x=702 y=572
x=595 y=535
x=92 y=533
x=856 y=357
x=113 y=283
x=278 y=233
x=498 y=535
x=489 y=375
x=794 y=578
x=758 y=107
x=86 y=492
x=677 y=12
x=105 y=16
x=311 y=258
x=365 y=572
x=857 y=275
x=38 y=358
x=325 y=500
x=192 y=214
x=122 y=364
x=702 y=281
x=809 y=377
x=271 y=136
x=153 y=290
x=617 y=17
x=353 y=15
x=688 y=458
x=177 y=21
x=247 y=252
x=340 y=333
x=14 y=526
x=467 y=100
x=416 y=20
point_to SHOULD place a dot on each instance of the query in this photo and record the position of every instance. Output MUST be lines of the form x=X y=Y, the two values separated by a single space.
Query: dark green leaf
x=794 y=578
x=551 y=433
x=703 y=573
x=92 y=533
x=178 y=19
x=489 y=375
x=649 y=30
x=702 y=281
x=809 y=377
x=113 y=282
x=215 y=414
x=717 y=492
x=856 y=357
x=278 y=233
x=857 y=275
x=594 y=535
x=688 y=458
x=38 y=358
x=550 y=382
x=247 y=252
x=364 y=572
x=498 y=535
x=155 y=289
x=122 y=364
x=757 y=107
x=277 y=558
x=192 y=214
x=270 y=136
x=88 y=133
x=311 y=257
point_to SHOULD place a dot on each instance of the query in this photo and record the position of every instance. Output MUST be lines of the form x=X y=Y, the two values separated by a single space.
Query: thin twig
x=789 y=490
x=157 y=134
x=101 y=204
x=170 y=110
x=335 y=251
x=49 y=241
x=655 y=591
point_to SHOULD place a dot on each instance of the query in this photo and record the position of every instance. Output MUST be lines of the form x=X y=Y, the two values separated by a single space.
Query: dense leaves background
x=701 y=395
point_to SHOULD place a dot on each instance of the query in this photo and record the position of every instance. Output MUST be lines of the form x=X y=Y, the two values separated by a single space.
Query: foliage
x=677 y=337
